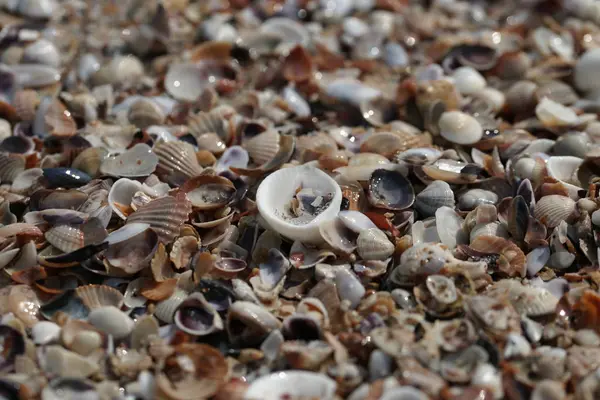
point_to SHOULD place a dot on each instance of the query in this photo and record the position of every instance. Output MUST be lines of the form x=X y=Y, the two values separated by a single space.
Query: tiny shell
x=460 y=128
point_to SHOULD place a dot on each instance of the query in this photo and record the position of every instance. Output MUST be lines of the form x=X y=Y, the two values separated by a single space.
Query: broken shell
x=564 y=169
x=209 y=192
x=197 y=317
x=139 y=161
x=279 y=188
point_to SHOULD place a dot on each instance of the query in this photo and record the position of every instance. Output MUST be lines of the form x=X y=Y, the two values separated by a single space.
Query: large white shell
x=449 y=227
x=120 y=195
x=42 y=51
x=564 y=169
x=460 y=128
x=468 y=80
x=292 y=384
x=111 y=320
x=552 y=114
x=185 y=81
x=136 y=162
x=278 y=189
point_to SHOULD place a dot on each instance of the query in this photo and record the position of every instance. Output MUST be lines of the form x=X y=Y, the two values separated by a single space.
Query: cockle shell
x=144 y=113
x=96 y=296
x=11 y=165
x=460 y=128
x=263 y=147
x=551 y=210
x=177 y=158
x=437 y=194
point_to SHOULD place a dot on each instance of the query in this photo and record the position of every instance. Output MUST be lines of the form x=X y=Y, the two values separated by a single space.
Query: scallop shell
x=137 y=162
x=69 y=238
x=11 y=165
x=165 y=215
x=263 y=147
x=437 y=194
x=177 y=158
x=96 y=296
x=373 y=244
x=210 y=122
x=460 y=128
x=551 y=210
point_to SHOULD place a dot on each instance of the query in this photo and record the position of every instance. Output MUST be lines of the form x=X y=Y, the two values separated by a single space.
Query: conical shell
x=437 y=194
x=11 y=165
x=177 y=158
x=263 y=146
x=165 y=215
x=373 y=244
x=96 y=296
x=551 y=210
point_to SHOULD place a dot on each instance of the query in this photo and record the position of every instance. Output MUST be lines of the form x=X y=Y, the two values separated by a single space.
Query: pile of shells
x=299 y=199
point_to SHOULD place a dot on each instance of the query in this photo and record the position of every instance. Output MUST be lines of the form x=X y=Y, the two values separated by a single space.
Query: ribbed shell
x=144 y=113
x=165 y=310
x=551 y=210
x=373 y=244
x=263 y=146
x=177 y=157
x=489 y=229
x=165 y=215
x=69 y=238
x=529 y=300
x=96 y=296
x=434 y=196
x=209 y=122
x=25 y=103
x=11 y=165
x=389 y=143
x=511 y=252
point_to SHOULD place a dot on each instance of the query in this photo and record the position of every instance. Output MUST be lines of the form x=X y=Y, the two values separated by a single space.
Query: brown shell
x=59 y=120
x=298 y=65
x=165 y=215
x=158 y=291
x=96 y=296
x=161 y=264
x=513 y=255
x=389 y=143
x=26 y=102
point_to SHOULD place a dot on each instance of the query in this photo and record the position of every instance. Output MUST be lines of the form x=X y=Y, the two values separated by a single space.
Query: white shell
x=293 y=384
x=275 y=192
x=139 y=161
x=185 y=81
x=449 y=227
x=468 y=80
x=373 y=244
x=289 y=31
x=26 y=181
x=552 y=114
x=564 y=169
x=587 y=71
x=37 y=9
x=126 y=232
x=35 y=75
x=121 y=192
x=351 y=91
x=42 y=51
x=355 y=220
x=460 y=128
x=44 y=332
x=112 y=321
x=491 y=96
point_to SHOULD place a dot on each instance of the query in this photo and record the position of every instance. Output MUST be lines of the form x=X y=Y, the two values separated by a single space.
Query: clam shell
x=209 y=192
x=564 y=169
x=11 y=165
x=96 y=296
x=164 y=215
x=390 y=190
x=197 y=317
x=27 y=181
x=59 y=121
x=460 y=128
x=134 y=253
x=69 y=238
x=275 y=192
x=468 y=80
x=112 y=321
x=300 y=384
x=139 y=161
x=373 y=244
x=553 y=114
x=177 y=158
x=437 y=194
x=551 y=210
x=263 y=147
x=25 y=103
x=249 y=323
x=529 y=300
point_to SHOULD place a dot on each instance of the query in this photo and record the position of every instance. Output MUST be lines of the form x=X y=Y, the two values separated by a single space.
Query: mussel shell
x=66 y=177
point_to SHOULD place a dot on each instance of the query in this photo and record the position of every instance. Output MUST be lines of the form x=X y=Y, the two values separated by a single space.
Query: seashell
x=69 y=238
x=211 y=142
x=11 y=165
x=45 y=332
x=489 y=229
x=351 y=91
x=296 y=102
x=183 y=250
x=349 y=287
x=249 y=323
x=68 y=388
x=65 y=303
x=35 y=75
x=551 y=210
x=390 y=190
x=209 y=192
x=552 y=114
x=475 y=197
x=390 y=143
x=468 y=80
x=395 y=55
x=121 y=196
x=165 y=215
x=66 y=364
x=186 y=81
x=96 y=296
x=297 y=66
x=509 y=250
x=234 y=156
x=10 y=352
x=449 y=227
x=144 y=329
x=584 y=72
x=404 y=393
x=27 y=181
x=120 y=70
x=165 y=309
x=112 y=321
x=139 y=161
x=564 y=169
x=145 y=113
x=25 y=103
x=197 y=317
x=285 y=182
x=528 y=300
x=132 y=248
x=460 y=128
x=292 y=383
x=207 y=375
x=290 y=31
x=437 y=194
x=356 y=221
x=263 y=147
x=177 y=159
x=379 y=111
x=58 y=120
x=89 y=160
x=373 y=244
x=65 y=177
